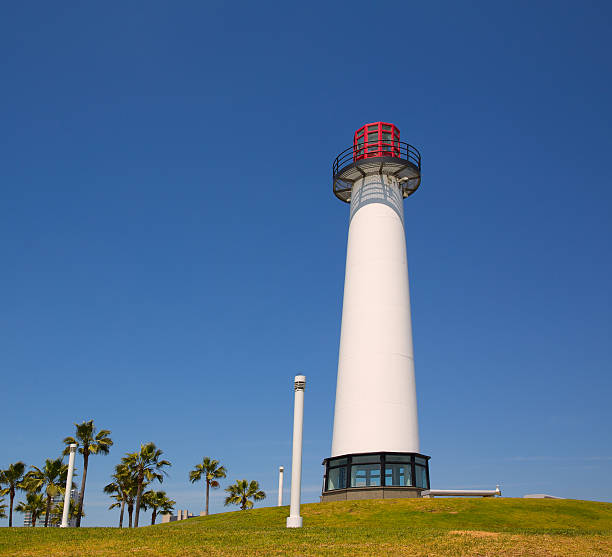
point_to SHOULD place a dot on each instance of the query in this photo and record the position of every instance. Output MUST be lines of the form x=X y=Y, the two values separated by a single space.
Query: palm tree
x=240 y=493
x=123 y=490
x=210 y=470
x=128 y=498
x=52 y=478
x=58 y=511
x=35 y=506
x=12 y=477
x=2 y=508
x=131 y=501
x=117 y=490
x=145 y=465
x=157 y=500
x=90 y=442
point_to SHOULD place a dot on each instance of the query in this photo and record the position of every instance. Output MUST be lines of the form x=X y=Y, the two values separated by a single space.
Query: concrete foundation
x=360 y=493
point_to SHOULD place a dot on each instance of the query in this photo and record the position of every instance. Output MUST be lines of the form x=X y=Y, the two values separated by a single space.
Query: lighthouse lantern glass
x=379 y=139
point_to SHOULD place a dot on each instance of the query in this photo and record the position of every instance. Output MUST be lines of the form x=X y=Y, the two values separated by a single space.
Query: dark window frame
x=382 y=462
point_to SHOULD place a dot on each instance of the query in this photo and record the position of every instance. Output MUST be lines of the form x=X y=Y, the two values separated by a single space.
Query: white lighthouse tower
x=375 y=447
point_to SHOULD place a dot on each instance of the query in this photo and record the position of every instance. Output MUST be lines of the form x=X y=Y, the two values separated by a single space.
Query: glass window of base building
x=421 y=476
x=399 y=474
x=336 y=478
x=365 y=475
x=376 y=470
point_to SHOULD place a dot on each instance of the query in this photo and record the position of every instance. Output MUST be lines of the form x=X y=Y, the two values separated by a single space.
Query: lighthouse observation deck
x=377 y=149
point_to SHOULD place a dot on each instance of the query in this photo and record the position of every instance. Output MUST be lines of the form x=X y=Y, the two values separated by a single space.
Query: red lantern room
x=379 y=139
x=377 y=149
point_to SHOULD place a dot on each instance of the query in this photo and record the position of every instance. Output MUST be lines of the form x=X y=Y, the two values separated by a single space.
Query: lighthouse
x=375 y=448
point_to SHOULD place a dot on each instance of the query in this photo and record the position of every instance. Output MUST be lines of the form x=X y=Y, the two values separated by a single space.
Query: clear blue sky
x=172 y=254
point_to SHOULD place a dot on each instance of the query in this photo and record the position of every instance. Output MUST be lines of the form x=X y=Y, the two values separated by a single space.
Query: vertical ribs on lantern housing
x=375 y=447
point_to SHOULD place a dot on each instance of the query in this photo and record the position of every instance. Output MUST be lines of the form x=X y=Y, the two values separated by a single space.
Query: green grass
x=416 y=527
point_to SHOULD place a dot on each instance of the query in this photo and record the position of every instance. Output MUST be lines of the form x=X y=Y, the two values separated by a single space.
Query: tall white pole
x=66 y=512
x=294 y=520
x=281 y=473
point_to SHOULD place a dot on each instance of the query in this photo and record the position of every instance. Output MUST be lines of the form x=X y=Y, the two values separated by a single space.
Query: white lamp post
x=294 y=520
x=66 y=512
x=281 y=473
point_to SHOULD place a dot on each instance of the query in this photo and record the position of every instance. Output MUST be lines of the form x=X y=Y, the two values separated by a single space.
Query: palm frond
x=13 y=477
x=240 y=493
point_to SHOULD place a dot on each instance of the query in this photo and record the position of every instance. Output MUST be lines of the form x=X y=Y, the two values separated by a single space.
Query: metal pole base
x=294 y=522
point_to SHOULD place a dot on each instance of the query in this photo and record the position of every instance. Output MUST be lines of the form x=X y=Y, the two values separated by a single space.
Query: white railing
x=431 y=493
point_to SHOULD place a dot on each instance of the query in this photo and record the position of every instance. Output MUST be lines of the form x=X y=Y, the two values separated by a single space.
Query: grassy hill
x=412 y=527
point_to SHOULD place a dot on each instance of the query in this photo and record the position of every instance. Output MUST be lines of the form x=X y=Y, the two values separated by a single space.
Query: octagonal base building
x=375 y=447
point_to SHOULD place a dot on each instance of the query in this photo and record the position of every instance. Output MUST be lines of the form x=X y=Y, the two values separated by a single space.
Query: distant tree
x=12 y=478
x=240 y=493
x=126 y=500
x=90 y=441
x=118 y=504
x=158 y=502
x=51 y=478
x=209 y=470
x=58 y=512
x=117 y=489
x=123 y=489
x=2 y=508
x=146 y=465
x=35 y=505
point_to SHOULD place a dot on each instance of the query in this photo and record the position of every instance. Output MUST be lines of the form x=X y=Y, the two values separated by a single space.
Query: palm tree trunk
x=47 y=511
x=82 y=493
x=121 y=514
x=130 y=511
x=33 y=520
x=207 y=492
x=138 y=496
x=12 y=500
x=153 y=516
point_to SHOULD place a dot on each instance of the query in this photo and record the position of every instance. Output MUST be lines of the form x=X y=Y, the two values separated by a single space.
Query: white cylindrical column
x=66 y=512
x=376 y=396
x=294 y=520
x=281 y=473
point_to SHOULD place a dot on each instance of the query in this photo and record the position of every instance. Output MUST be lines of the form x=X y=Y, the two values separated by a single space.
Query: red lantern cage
x=376 y=149
x=379 y=139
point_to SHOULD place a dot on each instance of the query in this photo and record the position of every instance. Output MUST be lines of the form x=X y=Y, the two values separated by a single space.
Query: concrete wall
x=357 y=494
